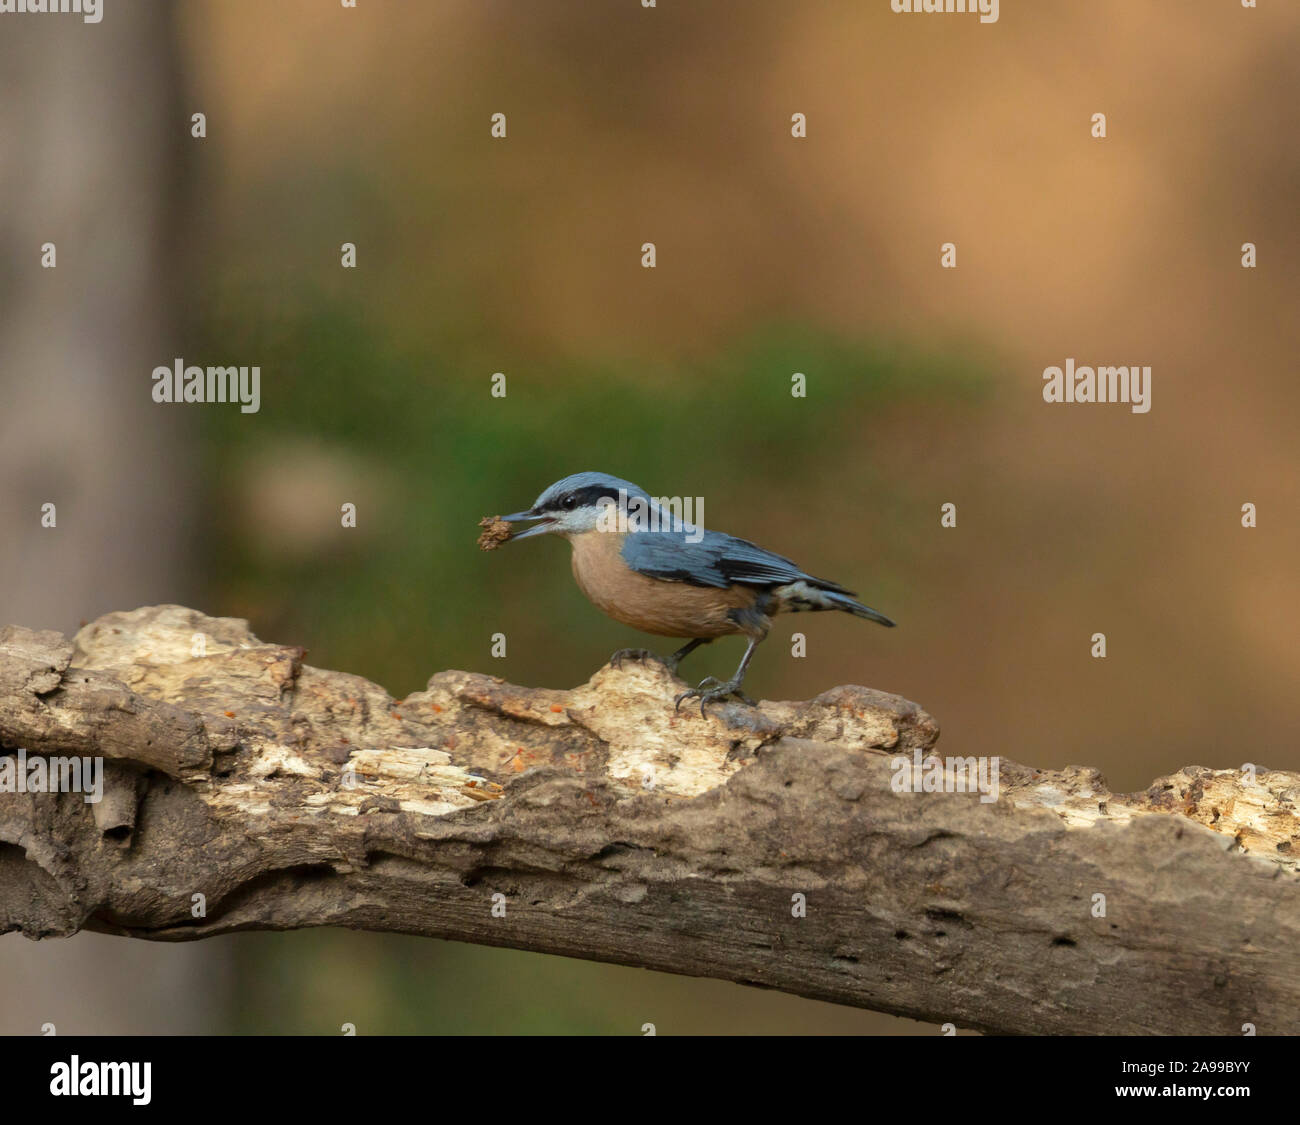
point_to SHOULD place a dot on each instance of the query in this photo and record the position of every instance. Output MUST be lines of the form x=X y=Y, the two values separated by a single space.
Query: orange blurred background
x=774 y=255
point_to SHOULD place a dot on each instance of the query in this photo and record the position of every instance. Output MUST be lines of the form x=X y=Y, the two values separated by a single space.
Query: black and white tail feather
x=802 y=597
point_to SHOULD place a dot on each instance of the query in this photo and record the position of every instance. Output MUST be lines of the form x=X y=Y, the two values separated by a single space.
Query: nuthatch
x=671 y=578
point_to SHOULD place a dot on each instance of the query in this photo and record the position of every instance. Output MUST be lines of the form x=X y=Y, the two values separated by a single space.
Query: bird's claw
x=617 y=659
x=706 y=694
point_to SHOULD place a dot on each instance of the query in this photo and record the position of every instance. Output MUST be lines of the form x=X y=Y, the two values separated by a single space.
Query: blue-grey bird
x=674 y=579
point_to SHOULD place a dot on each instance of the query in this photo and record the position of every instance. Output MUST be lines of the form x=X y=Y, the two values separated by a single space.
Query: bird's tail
x=848 y=605
x=799 y=596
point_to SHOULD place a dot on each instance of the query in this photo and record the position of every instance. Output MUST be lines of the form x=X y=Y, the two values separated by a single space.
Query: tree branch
x=607 y=826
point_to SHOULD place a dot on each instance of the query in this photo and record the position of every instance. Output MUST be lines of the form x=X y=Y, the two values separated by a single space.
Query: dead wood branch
x=610 y=827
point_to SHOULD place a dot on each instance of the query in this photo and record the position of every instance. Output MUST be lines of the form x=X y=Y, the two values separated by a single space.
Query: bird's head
x=574 y=505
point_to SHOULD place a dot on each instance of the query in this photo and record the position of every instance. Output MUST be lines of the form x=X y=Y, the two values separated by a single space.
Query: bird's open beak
x=522 y=517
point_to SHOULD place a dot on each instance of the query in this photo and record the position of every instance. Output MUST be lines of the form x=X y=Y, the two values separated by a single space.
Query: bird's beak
x=522 y=517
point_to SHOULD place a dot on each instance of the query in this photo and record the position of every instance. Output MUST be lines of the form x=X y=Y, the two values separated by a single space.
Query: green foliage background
x=407 y=593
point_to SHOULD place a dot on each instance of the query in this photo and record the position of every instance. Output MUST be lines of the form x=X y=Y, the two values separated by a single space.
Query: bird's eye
x=568 y=502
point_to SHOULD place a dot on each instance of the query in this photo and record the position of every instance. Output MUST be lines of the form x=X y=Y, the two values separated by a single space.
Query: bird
x=665 y=576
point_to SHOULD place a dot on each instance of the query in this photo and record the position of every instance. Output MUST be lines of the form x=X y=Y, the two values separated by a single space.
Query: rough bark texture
x=611 y=827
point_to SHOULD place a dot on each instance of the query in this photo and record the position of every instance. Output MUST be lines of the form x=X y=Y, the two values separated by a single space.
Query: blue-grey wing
x=716 y=559
x=671 y=557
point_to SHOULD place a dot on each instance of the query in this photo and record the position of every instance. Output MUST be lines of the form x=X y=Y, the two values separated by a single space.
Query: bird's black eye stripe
x=582 y=497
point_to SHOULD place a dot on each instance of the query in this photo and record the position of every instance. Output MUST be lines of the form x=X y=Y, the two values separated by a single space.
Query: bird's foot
x=718 y=690
x=637 y=654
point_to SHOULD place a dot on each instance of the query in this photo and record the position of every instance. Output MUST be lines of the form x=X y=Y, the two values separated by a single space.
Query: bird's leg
x=717 y=689
x=670 y=662
x=634 y=654
x=685 y=651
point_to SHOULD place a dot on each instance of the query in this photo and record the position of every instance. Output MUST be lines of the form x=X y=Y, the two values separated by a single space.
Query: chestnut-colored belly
x=667 y=609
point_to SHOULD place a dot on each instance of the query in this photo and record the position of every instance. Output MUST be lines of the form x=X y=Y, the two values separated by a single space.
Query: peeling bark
x=611 y=827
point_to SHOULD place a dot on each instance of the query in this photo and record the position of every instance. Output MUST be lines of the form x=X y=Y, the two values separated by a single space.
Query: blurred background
x=775 y=255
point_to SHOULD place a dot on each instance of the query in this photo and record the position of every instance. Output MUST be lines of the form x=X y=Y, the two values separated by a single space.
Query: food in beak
x=495 y=532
